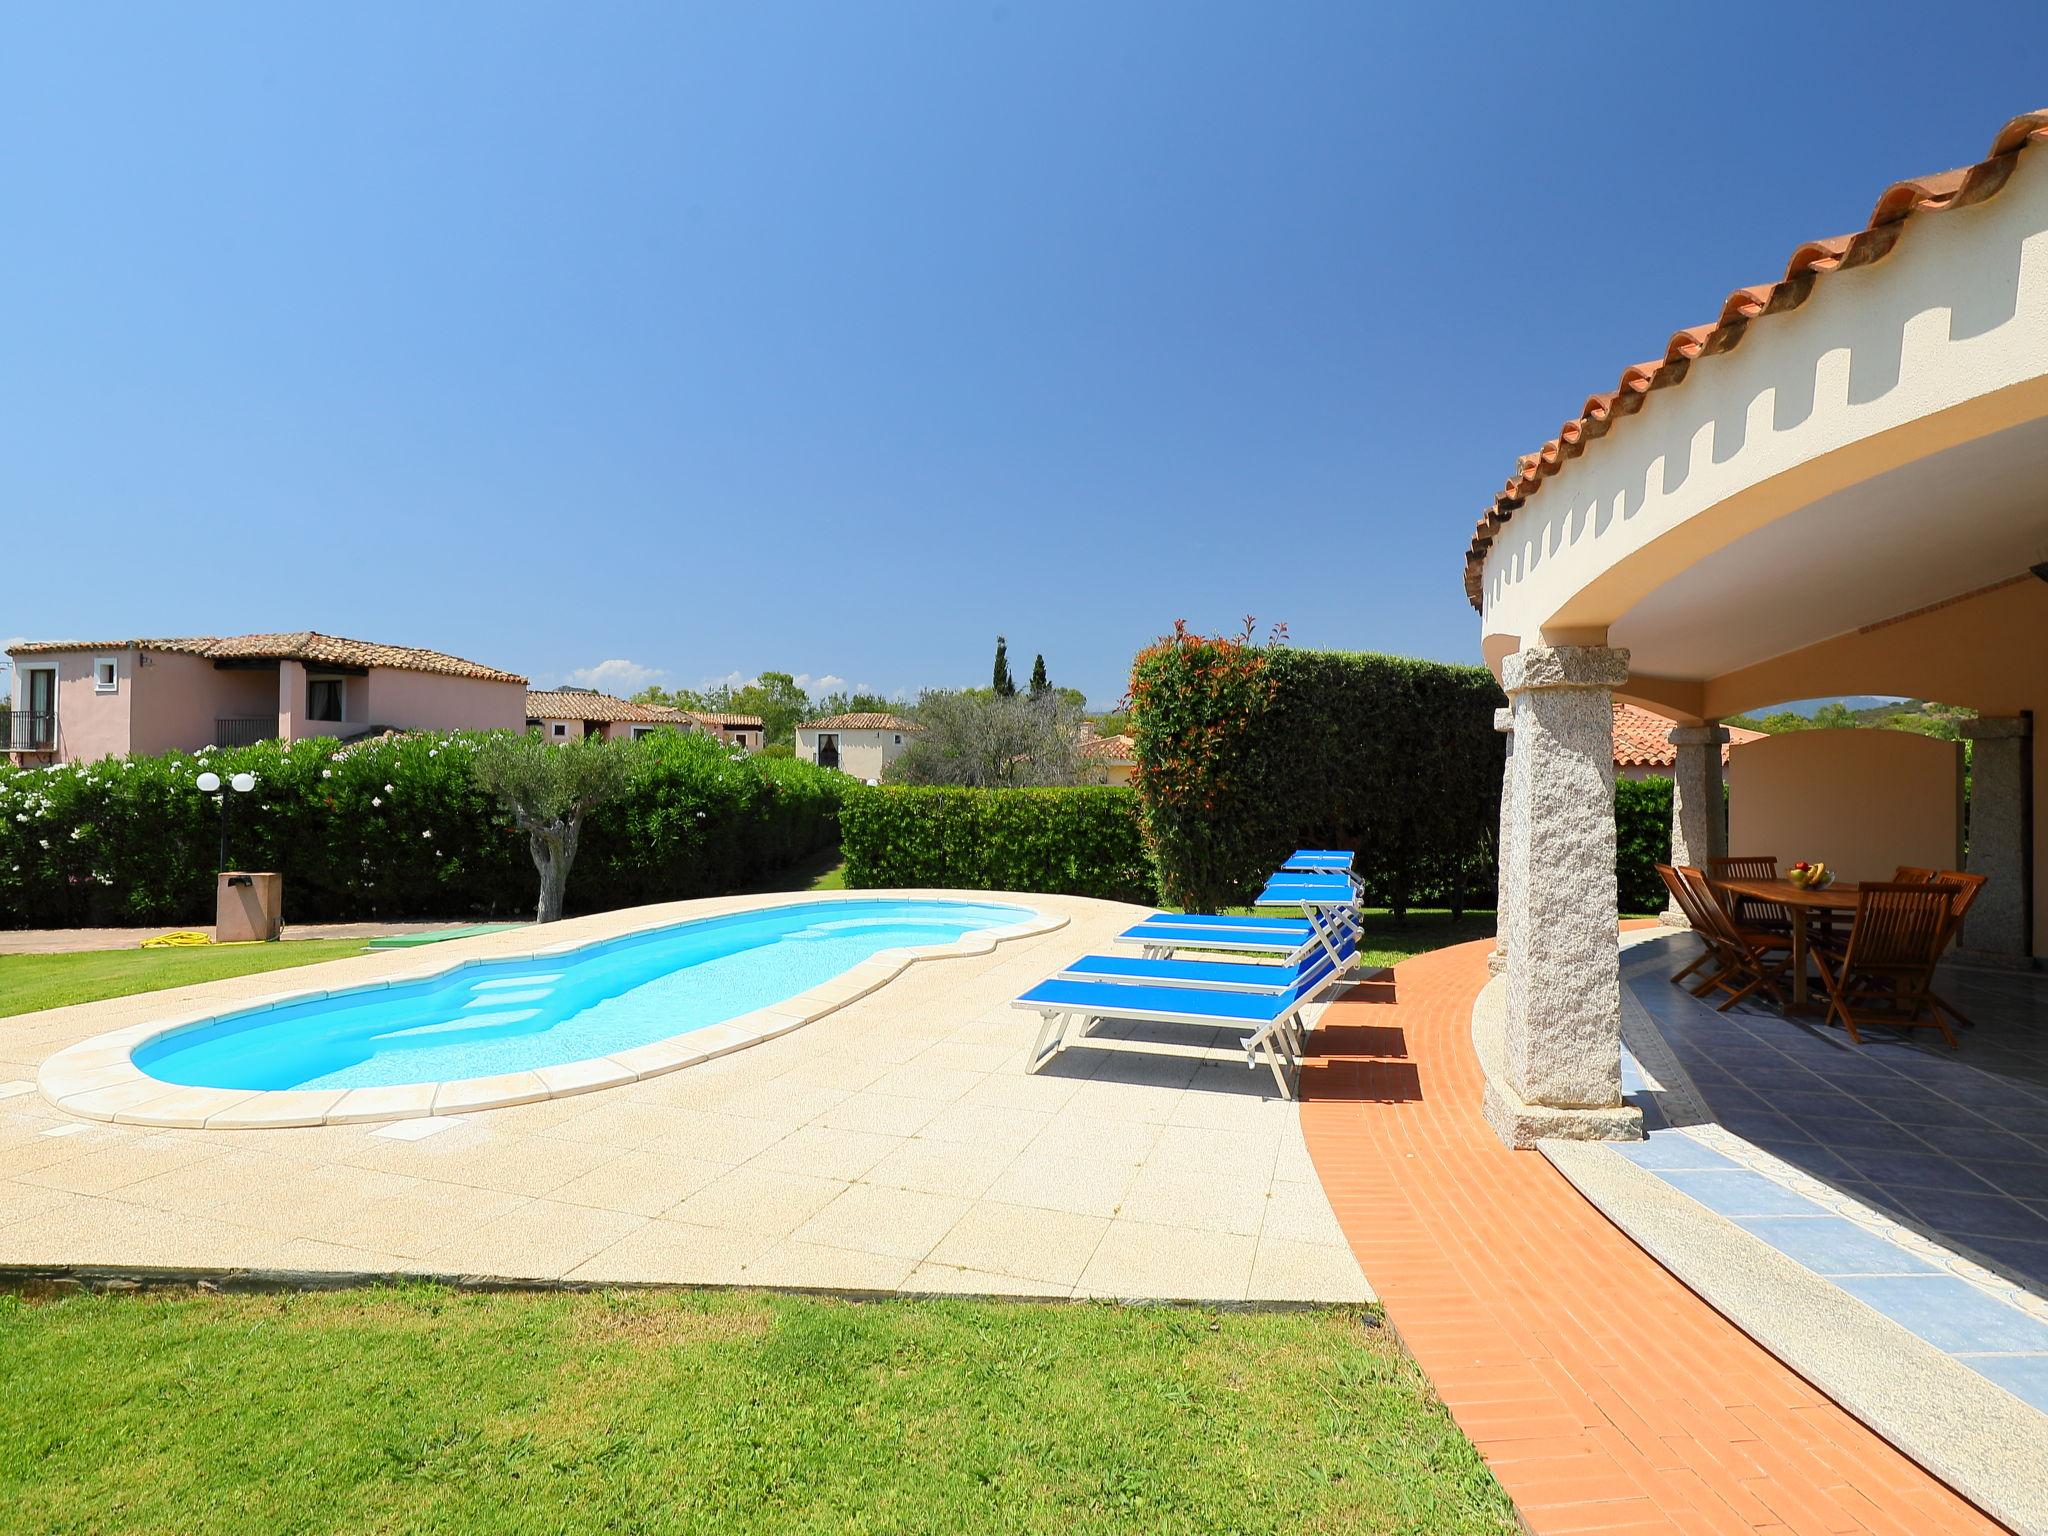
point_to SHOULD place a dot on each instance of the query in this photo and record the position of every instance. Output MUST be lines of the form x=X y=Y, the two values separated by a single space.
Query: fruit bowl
x=1811 y=876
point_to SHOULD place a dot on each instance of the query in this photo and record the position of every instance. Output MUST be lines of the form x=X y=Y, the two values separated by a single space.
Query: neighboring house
x=1109 y=759
x=570 y=714
x=860 y=744
x=734 y=730
x=1642 y=743
x=78 y=701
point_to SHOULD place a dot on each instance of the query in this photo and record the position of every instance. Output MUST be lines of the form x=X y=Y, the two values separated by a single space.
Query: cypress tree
x=1040 y=684
x=1005 y=685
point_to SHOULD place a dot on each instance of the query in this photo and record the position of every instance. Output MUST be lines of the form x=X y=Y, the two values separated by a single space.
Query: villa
x=1109 y=759
x=570 y=714
x=79 y=701
x=861 y=744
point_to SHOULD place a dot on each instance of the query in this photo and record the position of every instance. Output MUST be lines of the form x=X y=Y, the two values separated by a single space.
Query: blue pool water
x=515 y=1015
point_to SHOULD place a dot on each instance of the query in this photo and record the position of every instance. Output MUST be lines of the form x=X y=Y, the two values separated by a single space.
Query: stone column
x=1696 y=802
x=2001 y=762
x=1559 y=1051
x=1497 y=962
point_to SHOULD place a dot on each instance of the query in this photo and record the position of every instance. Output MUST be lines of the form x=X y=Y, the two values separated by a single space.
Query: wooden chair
x=1912 y=874
x=1883 y=974
x=1683 y=897
x=1968 y=886
x=1749 y=912
x=1749 y=958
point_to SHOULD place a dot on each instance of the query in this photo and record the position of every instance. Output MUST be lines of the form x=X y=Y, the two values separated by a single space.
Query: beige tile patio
x=1080 y=1185
x=872 y=1218
x=542 y=1239
x=885 y=1114
x=1169 y=1196
x=1235 y=1154
x=418 y=1221
x=915 y=1080
x=758 y=1200
x=1046 y=1246
x=609 y=1121
x=532 y=1165
x=825 y=1153
x=810 y=1266
x=676 y=1253
x=1137 y=1260
x=642 y=1183
x=933 y=1279
x=901 y=1126
x=1287 y=1271
x=958 y=1168
x=1300 y=1213
x=716 y=1138
x=102 y=1169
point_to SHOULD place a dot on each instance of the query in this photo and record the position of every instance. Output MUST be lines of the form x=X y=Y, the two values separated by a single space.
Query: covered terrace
x=1835 y=488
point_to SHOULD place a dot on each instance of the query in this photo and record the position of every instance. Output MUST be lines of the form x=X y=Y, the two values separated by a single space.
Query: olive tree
x=549 y=789
x=991 y=740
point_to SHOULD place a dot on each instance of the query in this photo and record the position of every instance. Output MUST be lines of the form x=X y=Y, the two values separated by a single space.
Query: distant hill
x=1861 y=712
x=1808 y=708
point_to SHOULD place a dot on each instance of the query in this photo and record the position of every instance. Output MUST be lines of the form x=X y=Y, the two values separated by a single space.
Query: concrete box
x=248 y=908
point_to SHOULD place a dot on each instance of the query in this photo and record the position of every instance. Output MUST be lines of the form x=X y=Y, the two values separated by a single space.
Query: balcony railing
x=32 y=730
x=244 y=731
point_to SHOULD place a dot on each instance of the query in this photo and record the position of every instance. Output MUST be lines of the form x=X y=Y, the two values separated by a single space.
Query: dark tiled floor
x=1954 y=1143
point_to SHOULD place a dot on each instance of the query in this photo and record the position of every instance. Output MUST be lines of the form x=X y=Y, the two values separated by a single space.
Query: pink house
x=77 y=701
x=569 y=714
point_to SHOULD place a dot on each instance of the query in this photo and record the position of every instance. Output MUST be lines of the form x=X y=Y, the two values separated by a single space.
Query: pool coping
x=97 y=1078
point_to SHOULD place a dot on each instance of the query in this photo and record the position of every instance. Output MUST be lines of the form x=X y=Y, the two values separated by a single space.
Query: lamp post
x=209 y=784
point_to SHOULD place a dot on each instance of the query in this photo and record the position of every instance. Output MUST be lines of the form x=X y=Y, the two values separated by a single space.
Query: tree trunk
x=554 y=850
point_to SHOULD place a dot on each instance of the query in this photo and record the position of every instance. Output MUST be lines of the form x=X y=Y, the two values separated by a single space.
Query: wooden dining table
x=1802 y=904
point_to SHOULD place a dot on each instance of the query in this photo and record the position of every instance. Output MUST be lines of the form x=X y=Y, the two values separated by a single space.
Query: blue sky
x=836 y=338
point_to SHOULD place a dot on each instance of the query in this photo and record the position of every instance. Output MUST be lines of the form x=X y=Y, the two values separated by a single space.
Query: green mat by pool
x=439 y=935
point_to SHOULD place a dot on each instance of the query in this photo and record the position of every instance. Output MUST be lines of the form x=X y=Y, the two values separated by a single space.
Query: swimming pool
x=487 y=1018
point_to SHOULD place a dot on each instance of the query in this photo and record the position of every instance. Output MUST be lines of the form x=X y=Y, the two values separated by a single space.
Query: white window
x=106 y=674
x=559 y=728
x=642 y=730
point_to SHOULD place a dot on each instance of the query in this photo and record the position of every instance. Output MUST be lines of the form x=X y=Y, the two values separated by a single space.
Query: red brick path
x=1604 y=1395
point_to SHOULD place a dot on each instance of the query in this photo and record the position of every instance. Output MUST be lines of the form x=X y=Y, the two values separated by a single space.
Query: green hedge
x=1393 y=757
x=1642 y=841
x=391 y=828
x=1080 y=842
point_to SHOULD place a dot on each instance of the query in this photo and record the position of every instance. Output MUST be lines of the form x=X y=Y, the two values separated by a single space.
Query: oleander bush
x=389 y=828
x=1080 y=841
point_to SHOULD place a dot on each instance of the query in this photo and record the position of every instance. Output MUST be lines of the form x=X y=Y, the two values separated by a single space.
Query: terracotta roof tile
x=306 y=645
x=1110 y=749
x=1642 y=740
x=1902 y=201
x=589 y=704
x=857 y=722
x=725 y=722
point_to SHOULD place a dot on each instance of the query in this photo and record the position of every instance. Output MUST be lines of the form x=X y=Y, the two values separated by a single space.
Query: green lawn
x=421 y=1410
x=29 y=982
x=1383 y=940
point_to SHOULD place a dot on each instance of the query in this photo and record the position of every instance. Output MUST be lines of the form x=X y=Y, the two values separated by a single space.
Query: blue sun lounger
x=1319 y=861
x=1213 y=975
x=1284 y=938
x=1273 y=1018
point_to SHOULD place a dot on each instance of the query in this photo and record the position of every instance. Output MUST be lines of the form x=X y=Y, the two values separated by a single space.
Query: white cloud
x=615 y=676
x=829 y=683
